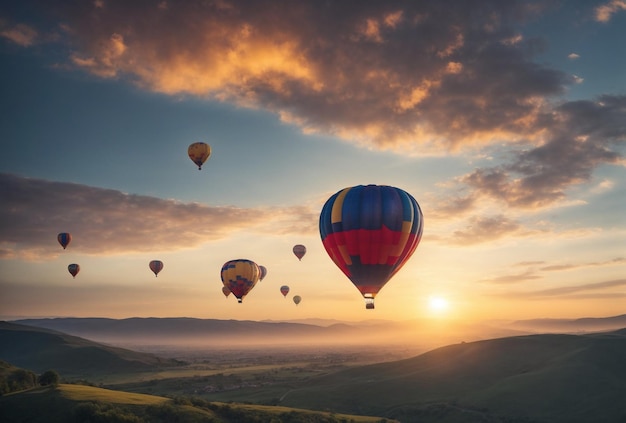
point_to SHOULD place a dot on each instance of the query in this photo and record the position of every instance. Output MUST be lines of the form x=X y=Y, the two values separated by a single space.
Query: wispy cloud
x=484 y=229
x=588 y=289
x=19 y=34
x=104 y=221
x=571 y=266
x=536 y=269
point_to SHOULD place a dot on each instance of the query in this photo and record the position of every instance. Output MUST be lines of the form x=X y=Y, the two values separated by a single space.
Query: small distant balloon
x=297 y=299
x=73 y=269
x=240 y=276
x=284 y=290
x=156 y=266
x=299 y=250
x=263 y=272
x=225 y=291
x=64 y=239
x=199 y=152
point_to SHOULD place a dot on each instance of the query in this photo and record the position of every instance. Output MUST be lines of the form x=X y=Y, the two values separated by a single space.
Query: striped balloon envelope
x=370 y=231
x=240 y=276
x=64 y=239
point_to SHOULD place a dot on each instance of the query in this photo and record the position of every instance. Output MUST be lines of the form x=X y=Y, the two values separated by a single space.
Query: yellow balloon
x=199 y=152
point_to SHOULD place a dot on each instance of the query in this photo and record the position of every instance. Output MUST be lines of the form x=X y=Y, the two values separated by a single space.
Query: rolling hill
x=77 y=403
x=535 y=378
x=43 y=349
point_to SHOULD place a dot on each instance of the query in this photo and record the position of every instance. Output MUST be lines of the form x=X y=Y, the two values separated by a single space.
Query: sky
x=505 y=120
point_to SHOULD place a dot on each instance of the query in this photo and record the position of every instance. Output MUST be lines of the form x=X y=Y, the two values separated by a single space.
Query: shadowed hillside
x=43 y=349
x=76 y=403
x=537 y=378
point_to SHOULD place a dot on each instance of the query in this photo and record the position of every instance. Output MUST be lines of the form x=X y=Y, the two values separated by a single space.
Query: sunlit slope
x=555 y=378
x=42 y=349
x=77 y=403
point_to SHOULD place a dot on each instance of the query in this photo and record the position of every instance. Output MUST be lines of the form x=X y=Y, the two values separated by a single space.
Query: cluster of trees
x=15 y=379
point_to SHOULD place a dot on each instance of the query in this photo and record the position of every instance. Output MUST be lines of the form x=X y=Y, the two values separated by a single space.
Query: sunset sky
x=505 y=120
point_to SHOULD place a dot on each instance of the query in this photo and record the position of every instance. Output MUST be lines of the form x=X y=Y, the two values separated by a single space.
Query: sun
x=438 y=304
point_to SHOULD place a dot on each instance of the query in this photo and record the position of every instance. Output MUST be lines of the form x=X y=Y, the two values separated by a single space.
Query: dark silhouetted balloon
x=73 y=269
x=156 y=266
x=225 y=291
x=284 y=290
x=299 y=251
x=297 y=299
x=263 y=270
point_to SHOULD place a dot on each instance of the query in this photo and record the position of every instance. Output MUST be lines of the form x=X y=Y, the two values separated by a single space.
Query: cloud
x=575 y=289
x=518 y=277
x=533 y=272
x=573 y=56
x=415 y=77
x=571 y=266
x=485 y=229
x=410 y=76
x=104 y=221
x=20 y=34
x=606 y=11
x=579 y=136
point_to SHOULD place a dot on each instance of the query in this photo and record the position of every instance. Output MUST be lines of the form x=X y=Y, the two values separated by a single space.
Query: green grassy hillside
x=76 y=403
x=15 y=379
x=43 y=349
x=539 y=378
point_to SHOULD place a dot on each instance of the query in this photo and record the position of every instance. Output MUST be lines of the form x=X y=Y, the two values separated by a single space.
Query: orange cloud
x=20 y=34
x=606 y=11
x=393 y=75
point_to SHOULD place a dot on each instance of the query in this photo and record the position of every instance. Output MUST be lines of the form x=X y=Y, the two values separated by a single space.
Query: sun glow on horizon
x=438 y=305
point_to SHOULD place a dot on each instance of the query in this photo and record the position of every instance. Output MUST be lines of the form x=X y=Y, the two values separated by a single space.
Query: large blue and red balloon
x=370 y=231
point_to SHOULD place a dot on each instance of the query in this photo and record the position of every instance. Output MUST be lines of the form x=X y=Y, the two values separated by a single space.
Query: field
x=555 y=378
x=76 y=403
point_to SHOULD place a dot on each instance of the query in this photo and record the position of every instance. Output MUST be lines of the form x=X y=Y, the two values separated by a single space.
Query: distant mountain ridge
x=193 y=331
x=190 y=330
x=585 y=324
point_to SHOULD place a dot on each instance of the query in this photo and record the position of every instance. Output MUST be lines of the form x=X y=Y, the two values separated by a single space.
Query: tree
x=49 y=377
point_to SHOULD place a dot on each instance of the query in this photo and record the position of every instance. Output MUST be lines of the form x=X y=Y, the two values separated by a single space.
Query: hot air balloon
x=199 y=152
x=156 y=266
x=284 y=290
x=299 y=250
x=64 y=239
x=297 y=299
x=240 y=276
x=73 y=269
x=263 y=272
x=225 y=291
x=370 y=232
